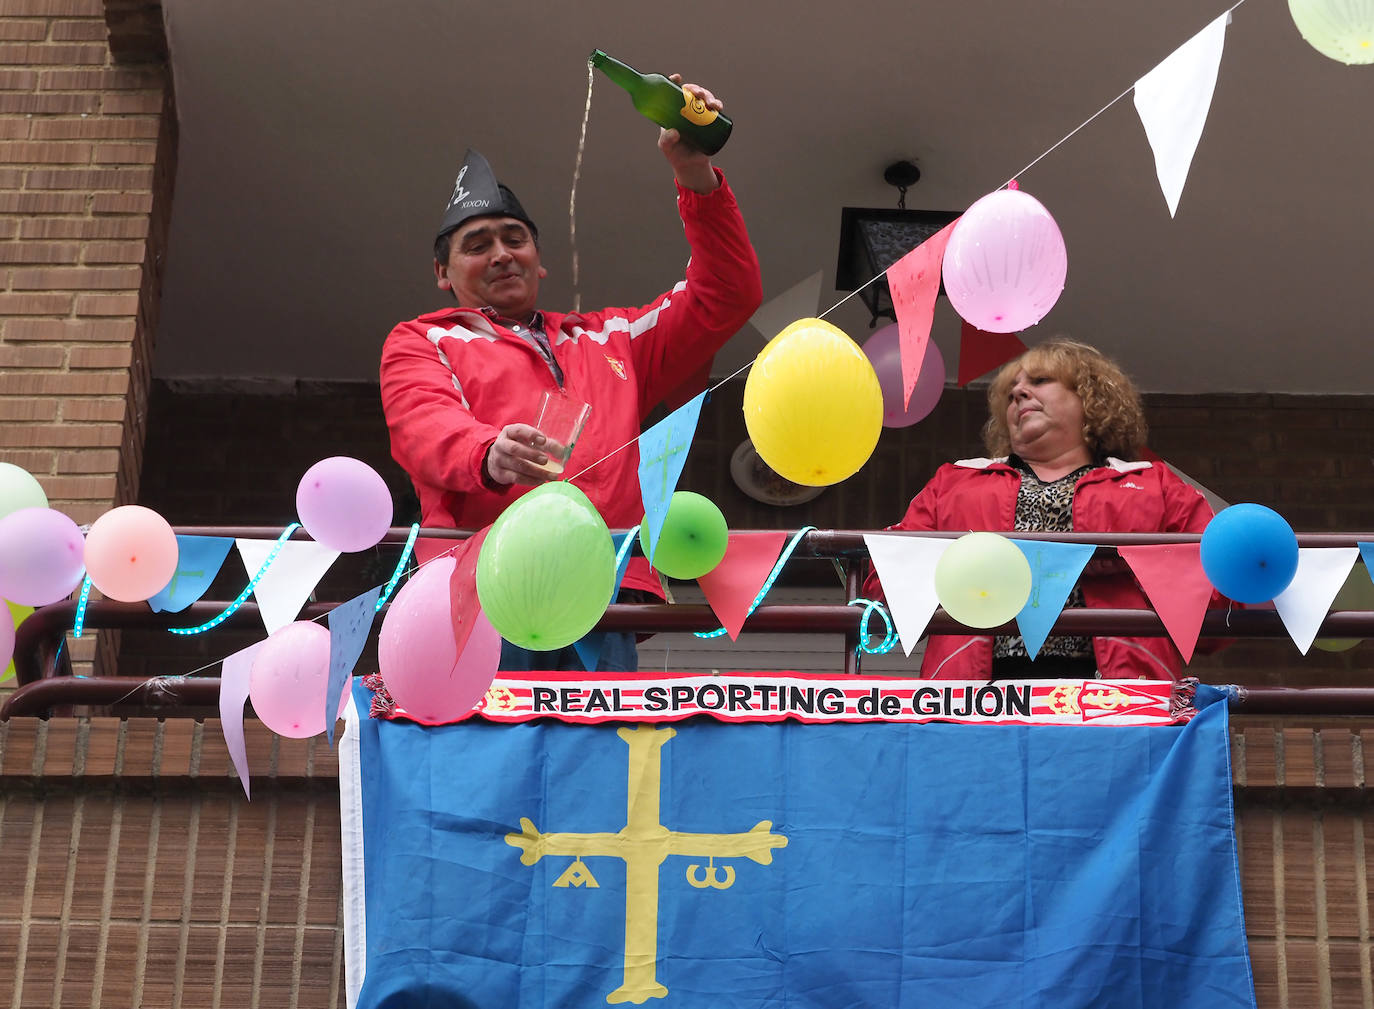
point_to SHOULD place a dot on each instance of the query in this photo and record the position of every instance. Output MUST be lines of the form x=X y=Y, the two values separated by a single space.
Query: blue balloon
x=1249 y=553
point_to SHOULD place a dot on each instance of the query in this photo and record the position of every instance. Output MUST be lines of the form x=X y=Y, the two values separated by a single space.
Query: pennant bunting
x=349 y=625
x=1055 y=568
x=199 y=560
x=462 y=588
x=288 y=582
x=914 y=281
x=1215 y=500
x=662 y=454
x=980 y=352
x=1304 y=604
x=800 y=301
x=1171 y=575
x=17 y=614
x=233 y=692
x=1173 y=100
x=588 y=647
x=732 y=586
x=906 y=566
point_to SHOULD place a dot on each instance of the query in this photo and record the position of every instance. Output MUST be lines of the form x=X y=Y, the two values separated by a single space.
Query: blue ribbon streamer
x=889 y=635
x=78 y=624
x=768 y=582
x=243 y=596
x=400 y=567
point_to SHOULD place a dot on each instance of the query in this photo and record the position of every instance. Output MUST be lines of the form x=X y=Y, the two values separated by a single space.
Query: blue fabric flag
x=588 y=647
x=349 y=625
x=1367 y=555
x=1055 y=568
x=198 y=561
x=662 y=454
x=706 y=865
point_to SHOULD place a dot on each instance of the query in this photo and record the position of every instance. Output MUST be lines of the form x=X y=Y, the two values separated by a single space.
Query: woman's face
x=1044 y=417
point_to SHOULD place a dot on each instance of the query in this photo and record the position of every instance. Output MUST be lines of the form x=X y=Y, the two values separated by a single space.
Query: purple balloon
x=884 y=350
x=1005 y=263
x=41 y=556
x=344 y=504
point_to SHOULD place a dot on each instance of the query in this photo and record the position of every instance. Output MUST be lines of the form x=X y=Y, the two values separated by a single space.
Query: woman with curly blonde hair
x=1064 y=427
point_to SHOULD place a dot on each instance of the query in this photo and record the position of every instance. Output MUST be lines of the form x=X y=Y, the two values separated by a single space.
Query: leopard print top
x=1045 y=507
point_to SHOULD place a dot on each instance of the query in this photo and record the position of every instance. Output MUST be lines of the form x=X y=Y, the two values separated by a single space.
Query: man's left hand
x=691 y=167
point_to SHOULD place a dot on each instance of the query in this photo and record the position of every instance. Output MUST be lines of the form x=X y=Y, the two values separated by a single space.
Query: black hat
x=476 y=193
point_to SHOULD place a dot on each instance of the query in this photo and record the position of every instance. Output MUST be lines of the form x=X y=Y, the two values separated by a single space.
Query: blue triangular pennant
x=1055 y=568
x=199 y=560
x=349 y=625
x=662 y=454
x=589 y=645
x=1367 y=555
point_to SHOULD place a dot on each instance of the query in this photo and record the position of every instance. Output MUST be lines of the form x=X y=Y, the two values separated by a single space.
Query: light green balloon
x=18 y=489
x=1356 y=594
x=983 y=580
x=547 y=567
x=693 y=538
x=1338 y=29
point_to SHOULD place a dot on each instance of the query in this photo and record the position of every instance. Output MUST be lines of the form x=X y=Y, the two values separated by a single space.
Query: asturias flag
x=703 y=865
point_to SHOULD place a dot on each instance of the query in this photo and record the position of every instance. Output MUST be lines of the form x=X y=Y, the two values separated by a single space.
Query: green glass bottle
x=662 y=101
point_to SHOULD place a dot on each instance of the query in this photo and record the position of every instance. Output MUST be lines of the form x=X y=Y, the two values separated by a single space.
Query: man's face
x=492 y=261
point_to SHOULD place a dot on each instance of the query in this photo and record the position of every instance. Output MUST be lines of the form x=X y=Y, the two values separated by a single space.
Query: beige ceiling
x=319 y=142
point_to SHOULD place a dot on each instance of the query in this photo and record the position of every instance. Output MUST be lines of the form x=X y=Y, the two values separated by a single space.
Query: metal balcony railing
x=45 y=683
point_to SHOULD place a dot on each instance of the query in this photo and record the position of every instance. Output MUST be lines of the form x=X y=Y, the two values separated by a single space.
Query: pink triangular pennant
x=731 y=586
x=914 y=281
x=1172 y=577
x=462 y=588
x=980 y=351
x=233 y=694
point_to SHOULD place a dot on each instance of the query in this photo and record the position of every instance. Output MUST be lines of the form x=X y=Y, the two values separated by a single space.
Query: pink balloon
x=418 y=655
x=344 y=504
x=289 y=679
x=884 y=351
x=40 y=556
x=6 y=636
x=131 y=553
x=1005 y=262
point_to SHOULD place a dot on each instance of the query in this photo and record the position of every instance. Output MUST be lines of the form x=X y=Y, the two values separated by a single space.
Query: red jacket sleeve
x=434 y=436
x=677 y=335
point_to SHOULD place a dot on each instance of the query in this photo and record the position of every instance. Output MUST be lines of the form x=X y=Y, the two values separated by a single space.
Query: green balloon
x=547 y=567
x=982 y=580
x=693 y=539
x=18 y=489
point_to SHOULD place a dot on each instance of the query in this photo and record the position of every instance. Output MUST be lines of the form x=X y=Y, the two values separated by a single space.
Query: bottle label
x=697 y=112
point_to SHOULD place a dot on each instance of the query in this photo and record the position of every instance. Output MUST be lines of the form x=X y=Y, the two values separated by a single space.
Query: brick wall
x=87 y=164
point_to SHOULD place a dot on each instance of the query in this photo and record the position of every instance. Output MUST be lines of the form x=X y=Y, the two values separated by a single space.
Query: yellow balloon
x=813 y=405
x=982 y=580
x=1356 y=594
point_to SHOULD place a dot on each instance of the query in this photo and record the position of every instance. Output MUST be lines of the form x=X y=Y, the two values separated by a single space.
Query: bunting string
x=1010 y=182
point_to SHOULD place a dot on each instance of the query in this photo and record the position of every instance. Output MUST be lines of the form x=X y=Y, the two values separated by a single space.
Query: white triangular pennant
x=1173 y=100
x=800 y=301
x=1304 y=604
x=906 y=567
x=288 y=582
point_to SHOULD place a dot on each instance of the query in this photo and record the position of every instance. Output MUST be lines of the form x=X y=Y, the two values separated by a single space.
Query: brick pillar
x=87 y=165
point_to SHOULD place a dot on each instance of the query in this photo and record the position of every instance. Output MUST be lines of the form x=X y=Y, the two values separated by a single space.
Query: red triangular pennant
x=980 y=352
x=1172 y=577
x=914 y=281
x=736 y=580
x=462 y=588
x=1098 y=701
